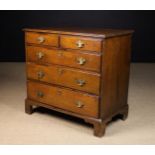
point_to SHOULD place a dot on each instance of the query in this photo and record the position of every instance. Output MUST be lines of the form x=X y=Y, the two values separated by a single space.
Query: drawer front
x=69 y=58
x=82 y=43
x=42 y=38
x=64 y=98
x=68 y=77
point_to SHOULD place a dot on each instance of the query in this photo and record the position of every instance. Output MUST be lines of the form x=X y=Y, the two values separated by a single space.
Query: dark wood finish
x=68 y=58
x=52 y=75
x=65 y=77
x=89 y=44
x=28 y=108
x=115 y=65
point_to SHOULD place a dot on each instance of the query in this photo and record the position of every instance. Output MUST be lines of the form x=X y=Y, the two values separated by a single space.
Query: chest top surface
x=92 y=32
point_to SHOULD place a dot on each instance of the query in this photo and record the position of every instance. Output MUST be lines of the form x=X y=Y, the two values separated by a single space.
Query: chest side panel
x=115 y=74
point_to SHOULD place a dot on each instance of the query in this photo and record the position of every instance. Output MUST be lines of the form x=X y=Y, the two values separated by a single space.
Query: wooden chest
x=79 y=72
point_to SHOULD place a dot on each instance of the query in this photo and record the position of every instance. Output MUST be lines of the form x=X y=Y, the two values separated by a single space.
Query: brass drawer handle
x=60 y=53
x=40 y=39
x=40 y=74
x=80 y=44
x=79 y=104
x=40 y=55
x=81 y=82
x=40 y=94
x=59 y=92
x=81 y=61
x=60 y=71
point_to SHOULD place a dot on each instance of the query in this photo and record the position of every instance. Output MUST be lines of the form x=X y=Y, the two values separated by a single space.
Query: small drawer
x=82 y=43
x=69 y=58
x=42 y=38
x=66 y=99
x=73 y=78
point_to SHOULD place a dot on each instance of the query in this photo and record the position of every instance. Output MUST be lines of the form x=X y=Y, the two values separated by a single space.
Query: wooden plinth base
x=98 y=124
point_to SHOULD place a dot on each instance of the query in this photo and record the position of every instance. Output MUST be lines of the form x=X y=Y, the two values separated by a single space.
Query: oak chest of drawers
x=79 y=72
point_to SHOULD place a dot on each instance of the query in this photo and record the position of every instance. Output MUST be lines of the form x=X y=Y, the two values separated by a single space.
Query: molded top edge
x=89 y=32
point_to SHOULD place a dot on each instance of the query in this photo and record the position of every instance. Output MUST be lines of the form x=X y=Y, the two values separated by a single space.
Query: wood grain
x=49 y=39
x=115 y=68
x=64 y=76
x=90 y=44
x=54 y=76
x=64 y=99
x=78 y=31
x=64 y=57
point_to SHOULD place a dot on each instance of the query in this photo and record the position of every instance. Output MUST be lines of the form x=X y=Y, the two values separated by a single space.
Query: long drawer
x=66 y=99
x=64 y=76
x=69 y=58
